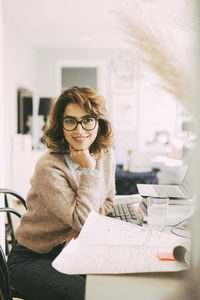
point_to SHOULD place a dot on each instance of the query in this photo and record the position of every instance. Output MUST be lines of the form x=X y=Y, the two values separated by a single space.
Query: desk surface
x=154 y=286
x=151 y=286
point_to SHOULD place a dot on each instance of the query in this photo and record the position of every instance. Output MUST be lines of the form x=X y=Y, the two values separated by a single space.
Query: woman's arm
x=109 y=202
x=54 y=193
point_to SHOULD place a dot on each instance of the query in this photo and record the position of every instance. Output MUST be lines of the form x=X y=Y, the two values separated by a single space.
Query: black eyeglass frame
x=80 y=122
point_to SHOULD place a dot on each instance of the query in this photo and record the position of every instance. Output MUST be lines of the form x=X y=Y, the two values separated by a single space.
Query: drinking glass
x=157 y=212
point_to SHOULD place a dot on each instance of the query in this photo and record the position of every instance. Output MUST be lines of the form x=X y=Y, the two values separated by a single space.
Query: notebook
x=172 y=191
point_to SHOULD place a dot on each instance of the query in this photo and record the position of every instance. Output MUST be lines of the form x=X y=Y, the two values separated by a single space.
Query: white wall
x=19 y=71
x=2 y=129
x=47 y=61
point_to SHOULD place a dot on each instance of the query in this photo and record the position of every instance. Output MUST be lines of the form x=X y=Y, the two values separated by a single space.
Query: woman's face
x=79 y=138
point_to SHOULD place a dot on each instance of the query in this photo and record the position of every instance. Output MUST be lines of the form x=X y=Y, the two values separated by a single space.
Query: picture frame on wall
x=124 y=111
x=24 y=111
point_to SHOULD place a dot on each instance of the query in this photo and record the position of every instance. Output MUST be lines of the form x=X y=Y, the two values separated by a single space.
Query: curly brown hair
x=91 y=102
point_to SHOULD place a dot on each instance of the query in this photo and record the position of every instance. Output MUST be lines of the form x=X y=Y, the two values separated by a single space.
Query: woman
x=75 y=176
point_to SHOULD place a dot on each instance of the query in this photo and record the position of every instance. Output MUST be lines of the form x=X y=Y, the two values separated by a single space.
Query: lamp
x=44 y=108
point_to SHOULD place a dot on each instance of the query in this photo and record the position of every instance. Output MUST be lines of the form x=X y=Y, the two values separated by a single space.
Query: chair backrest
x=13 y=193
x=3 y=293
x=5 y=287
x=7 y=292
x=9 y=228
x=10 y=210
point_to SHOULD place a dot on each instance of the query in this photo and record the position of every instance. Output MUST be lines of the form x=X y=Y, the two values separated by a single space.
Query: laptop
x=171 y=191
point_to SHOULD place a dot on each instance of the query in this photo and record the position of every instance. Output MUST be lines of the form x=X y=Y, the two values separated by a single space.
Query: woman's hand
x=82 y=157
x=73 y=234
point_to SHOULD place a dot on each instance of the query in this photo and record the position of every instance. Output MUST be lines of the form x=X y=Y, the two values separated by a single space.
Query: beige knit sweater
x=55 y=203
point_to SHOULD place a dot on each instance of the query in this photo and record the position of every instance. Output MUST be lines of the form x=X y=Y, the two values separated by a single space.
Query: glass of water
x=157 y=212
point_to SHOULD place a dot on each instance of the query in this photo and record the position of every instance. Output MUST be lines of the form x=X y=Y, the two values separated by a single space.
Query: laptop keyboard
x=169 y=191
x=125 y=212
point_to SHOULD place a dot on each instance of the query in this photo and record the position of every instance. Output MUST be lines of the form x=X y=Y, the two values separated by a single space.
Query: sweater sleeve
x=109 y=202
x=57 y=196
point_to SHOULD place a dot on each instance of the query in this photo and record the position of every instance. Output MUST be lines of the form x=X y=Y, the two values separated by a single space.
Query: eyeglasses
x=87 y=123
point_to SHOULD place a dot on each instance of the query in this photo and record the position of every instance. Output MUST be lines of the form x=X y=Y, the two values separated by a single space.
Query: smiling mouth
x=80 y=139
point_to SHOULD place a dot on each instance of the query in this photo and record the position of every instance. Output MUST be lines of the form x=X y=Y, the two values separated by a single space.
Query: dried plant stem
x=156 y=55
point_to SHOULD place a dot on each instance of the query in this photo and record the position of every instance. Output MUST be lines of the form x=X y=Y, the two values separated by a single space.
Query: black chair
x=7 y=292
x=13 y=193
x=9 y=224
x=5 y=286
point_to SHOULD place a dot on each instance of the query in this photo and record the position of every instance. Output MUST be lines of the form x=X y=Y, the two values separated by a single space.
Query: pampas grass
x=155 y=53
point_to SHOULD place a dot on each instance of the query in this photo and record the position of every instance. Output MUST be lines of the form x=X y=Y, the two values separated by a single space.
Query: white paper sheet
x=104 y=230
x=109 y=246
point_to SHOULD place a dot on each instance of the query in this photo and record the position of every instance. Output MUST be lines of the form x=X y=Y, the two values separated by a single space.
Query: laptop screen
x=187 y=182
